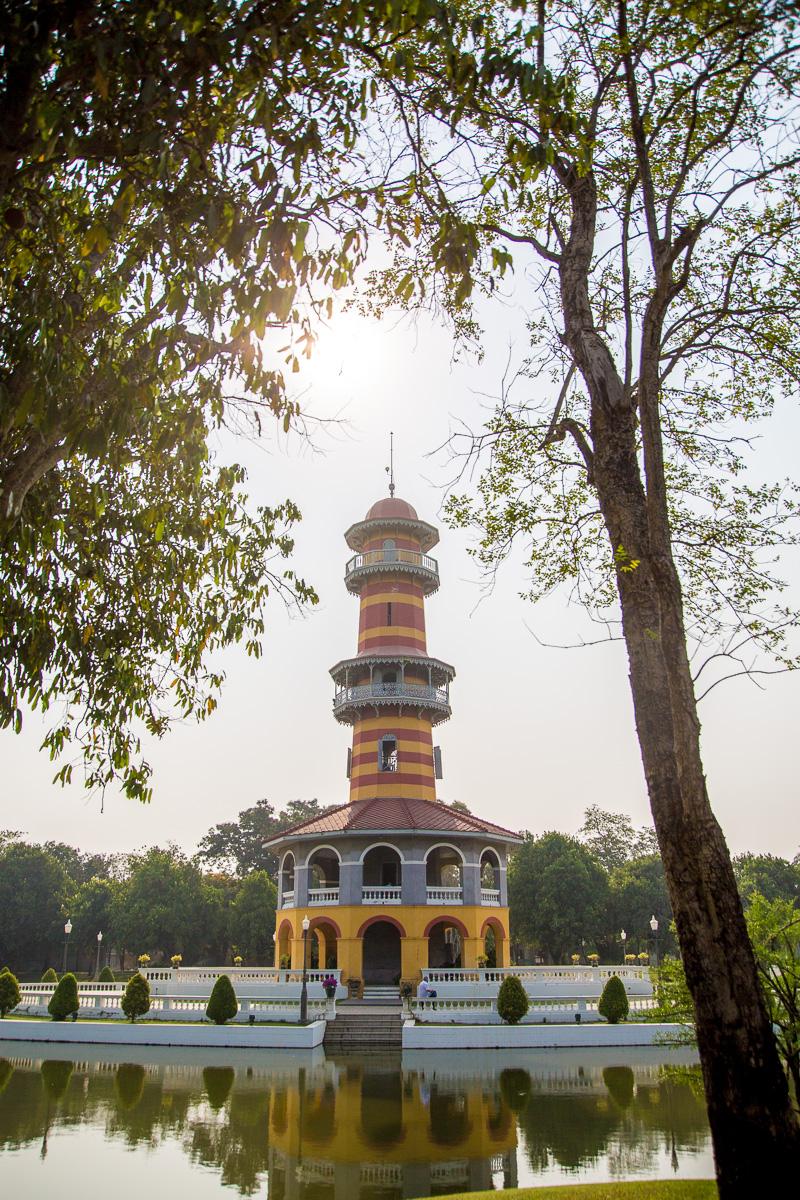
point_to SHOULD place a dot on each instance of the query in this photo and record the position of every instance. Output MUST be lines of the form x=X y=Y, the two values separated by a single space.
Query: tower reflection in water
x=365 y=1129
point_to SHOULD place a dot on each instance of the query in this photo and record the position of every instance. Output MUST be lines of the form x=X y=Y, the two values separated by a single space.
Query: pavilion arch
x=444 y=866
x=384 y=919
x=324 y=846
x=324 y=920
x=500 y=938
x=283 y=942
x=323 y=936
x=382 y=866
x=323 y=865
x=446 y=920
x=489 y=858
x=380 y=845
x=286 y=874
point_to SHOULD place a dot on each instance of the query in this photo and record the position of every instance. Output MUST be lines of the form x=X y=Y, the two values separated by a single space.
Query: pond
x=120 y=1124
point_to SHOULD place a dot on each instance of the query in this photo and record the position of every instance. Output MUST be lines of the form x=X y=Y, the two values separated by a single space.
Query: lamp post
x=67 y=932
x=624 y=937
x=275 y=962
x=304 y=987
x=99 y=944
x=654 y=930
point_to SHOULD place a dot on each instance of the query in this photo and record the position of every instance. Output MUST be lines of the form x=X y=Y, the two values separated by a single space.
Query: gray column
x=416 y=1179
x=414 y=887
x=472 y=883
x=300 y=886
x=350 y=876
x=503 y=886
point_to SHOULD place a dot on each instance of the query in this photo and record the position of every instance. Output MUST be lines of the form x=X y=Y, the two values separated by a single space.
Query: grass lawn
x=667 y=1189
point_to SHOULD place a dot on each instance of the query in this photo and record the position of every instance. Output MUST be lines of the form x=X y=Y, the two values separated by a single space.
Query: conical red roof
x=393 y=813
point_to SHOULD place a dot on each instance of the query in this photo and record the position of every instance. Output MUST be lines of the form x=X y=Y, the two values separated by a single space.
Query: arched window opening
x=381 y=868
x=287 y=881
x=389 y=549
x=387 y=753
x=443 y=868
x=490 y=874
x=323 y=870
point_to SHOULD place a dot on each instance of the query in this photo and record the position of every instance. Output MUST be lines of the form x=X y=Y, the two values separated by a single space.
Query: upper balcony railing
x=393 y=691
x=375 y=561
x=445 y=895
x=385 y=894
x=323 y=895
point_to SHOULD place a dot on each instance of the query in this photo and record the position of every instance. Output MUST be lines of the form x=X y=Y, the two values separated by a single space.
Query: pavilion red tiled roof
x=393 y=813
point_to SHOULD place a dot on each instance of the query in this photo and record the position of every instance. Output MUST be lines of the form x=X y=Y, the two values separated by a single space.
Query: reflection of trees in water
x=631 y=1126
x=515 y=1086
x=218 y=1082
x=6 y=1071
x=55 y=1077
x=382 y=1108
x=239 y=1145
x=129 y=1084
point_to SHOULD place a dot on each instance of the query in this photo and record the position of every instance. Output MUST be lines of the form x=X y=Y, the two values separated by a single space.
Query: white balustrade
x=92 y=1002
x=490 y=895
x=287 y=900
x=483 y=1010
x=445 y=895
x=326 y=895
x=381 y=895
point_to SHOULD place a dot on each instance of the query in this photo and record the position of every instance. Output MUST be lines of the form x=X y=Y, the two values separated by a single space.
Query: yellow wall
x=414 y=919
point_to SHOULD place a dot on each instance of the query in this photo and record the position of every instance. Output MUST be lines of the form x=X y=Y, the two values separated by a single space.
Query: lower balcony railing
x=287 y=900
x=490 y=896
x=390 y=894
x=328 y=895
x=445 y=895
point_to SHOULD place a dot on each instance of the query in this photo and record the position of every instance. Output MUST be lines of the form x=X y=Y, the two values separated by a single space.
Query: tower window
x=387 y=753
x=389 y=550
x=389 y=613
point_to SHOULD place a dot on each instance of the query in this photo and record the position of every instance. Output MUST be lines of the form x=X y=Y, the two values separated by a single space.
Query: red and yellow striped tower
x=392 y=692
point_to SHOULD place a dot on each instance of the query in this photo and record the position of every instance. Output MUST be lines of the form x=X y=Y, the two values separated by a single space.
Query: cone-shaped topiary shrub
x=129 y=1084
x=64 y=1000
x=512 y=1000
x=136 y=997
x=9 y=992
x=222 y=1005
x=218 y=1082
x=106 y=976
x=620 y=1083
x=222 y=1002
x=55 y=1077
x=613 y=1002
x=49 y=976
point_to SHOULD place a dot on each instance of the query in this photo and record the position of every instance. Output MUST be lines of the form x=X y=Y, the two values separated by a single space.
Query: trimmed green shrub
x=222 y=1005
x=620 y=1083
x=512 y=1000
x=49 y=976
x=218 y=1082
x=614 y=1002
x=64 y=1000
x=9 y=992
x=55 y=1077
x=129 y=1084
x=515 y=1088
x=106 y=976
x=136 y=997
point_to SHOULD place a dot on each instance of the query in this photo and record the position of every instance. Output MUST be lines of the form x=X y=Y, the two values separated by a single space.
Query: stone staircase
x=356 y=1028
x=380 y=993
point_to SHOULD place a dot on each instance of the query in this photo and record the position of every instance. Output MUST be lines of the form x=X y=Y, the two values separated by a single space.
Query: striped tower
x=392 y=692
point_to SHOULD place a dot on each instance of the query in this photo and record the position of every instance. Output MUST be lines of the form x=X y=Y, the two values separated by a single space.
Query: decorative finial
x=390 y=468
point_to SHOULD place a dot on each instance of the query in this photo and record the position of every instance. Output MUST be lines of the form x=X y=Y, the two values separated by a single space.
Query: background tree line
x=158 y=901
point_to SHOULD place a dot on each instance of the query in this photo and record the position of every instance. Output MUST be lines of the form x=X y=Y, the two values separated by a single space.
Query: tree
x=9 y=992
x=64 y=1000
x=512 y=1000
x=91 y=912
x=239 y=845
x=50 y=976
x=162 y=906
x=557 y=892
x=774 y=928
x=136 y=997
x=253 y=918
x=657 y=207
x=106 y=975
x=222 y=1004
x=639 y=892
x=613 y=1002
x=771 y=877
x=33 y=892
x=612 y=838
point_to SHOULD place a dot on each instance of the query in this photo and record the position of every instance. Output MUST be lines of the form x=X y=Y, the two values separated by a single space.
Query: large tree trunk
x=755 y=1134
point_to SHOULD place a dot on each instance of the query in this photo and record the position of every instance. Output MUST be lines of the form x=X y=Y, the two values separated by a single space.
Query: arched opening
x=387 y=751
x=324 y=949
x=381 y=952
x=323 y=876
x=382 y=1108
x=283 y=946
x=450 y=1123
x=389 y=549
x=445 y=944
x=495 y=947
x=319 y=1114
x=490 y=877
x=286 y=888
x=443 y=872
x=382 y=868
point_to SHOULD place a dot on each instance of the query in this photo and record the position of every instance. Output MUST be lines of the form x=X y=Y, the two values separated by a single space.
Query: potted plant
x=630 y=959
x=237 y=960
x=575 y=959
x=644 y=958
x=176 y=961
x=143 y=961
x=329 y=984
x=593 y=959
x=407 y=991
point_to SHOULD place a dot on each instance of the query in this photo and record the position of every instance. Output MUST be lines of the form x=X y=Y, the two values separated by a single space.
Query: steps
x=380 y=993
x=360 y=1029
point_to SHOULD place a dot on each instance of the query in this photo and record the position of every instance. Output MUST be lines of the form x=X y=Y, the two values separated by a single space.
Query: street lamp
x=624 y=937
x=654 y=930
x=304 y=987
x=67 y=932
x=99 y=944
x=275 y=962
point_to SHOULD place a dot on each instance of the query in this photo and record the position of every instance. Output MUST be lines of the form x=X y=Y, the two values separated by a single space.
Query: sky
x=537 y=733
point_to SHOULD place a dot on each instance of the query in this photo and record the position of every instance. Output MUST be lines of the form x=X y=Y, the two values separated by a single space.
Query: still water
x=121 y=1124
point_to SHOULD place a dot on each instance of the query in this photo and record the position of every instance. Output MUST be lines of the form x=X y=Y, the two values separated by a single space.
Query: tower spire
x=390 y=468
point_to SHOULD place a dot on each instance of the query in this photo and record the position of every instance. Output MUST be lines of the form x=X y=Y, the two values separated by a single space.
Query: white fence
x=105 y=1000
x=483 y=1011
x=265 y=982
x=554 y=983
